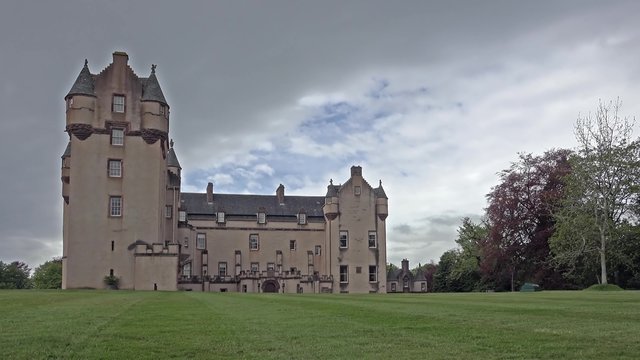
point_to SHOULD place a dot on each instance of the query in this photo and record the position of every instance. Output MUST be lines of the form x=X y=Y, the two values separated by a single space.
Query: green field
x=122 y=324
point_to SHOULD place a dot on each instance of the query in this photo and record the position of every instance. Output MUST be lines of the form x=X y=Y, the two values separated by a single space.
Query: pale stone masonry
x=124 y=213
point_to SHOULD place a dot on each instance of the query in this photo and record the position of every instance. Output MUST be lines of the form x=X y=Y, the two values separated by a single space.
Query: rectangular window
x=113 y=245
x=423 y=287
x=118 y=103
x=271 y=266
x=69 y=102
x=302 y=218
x=344 y=239
x=201 y=240
x=344 y=273
x=254 y=242
x=115 y=168
x=292 y=245
x=182 y=216
x=168 y=211
x=115 y=206
x=186 y=269
x=358 y=269
x=117 y=137
x=393 y=287
x=222 y=269
x=373 y=243
x=373 y=273
x=220 y=217
x=255 y=267
x=357 y=190
x=318 y=250
x=262 y=218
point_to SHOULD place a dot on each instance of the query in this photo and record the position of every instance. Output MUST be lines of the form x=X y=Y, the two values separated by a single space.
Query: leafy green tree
x=602 y=191
x=458 y=269
x=14 y=275
x=48 y=275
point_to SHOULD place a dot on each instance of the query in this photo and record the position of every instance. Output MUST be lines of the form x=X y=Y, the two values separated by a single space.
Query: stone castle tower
x=115 y=174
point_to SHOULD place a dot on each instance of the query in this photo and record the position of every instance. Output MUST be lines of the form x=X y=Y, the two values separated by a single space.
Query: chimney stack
x=280 y=194
x=210 y=193
x=356 y=171
x=405 y=265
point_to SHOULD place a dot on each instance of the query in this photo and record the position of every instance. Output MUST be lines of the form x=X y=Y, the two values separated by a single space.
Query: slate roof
x=240 y=204
x=332 y=190
x=172 y=159
x=84 y=84
x=67 y=150
x=379 y=191
x=151 y=90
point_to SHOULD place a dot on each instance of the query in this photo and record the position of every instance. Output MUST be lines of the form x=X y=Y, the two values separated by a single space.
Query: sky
x=431 y=97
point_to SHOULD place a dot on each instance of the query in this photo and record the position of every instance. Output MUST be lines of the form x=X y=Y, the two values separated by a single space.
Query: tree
x=48 y=275
x=458 y=268
x=602 y=189
x=520 y=221
x=14 y=275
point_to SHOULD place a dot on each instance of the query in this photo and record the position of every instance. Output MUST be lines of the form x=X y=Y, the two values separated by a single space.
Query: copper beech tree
x=520 y=222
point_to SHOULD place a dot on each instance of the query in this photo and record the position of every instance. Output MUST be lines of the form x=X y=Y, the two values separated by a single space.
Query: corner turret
x=382 y=202
x=81 y=104
x=331 y=201
x=155 y=110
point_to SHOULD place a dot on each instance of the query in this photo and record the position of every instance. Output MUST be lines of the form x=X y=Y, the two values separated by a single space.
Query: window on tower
x=115 y=206
x=118 y=103
x=115 y=168
x=117 y=137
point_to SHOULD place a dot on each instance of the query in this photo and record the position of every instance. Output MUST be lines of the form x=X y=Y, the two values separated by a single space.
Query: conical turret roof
x=84 y=84
x=379 y=191
x=332 y=190
x=172 y=159
x=151 y=90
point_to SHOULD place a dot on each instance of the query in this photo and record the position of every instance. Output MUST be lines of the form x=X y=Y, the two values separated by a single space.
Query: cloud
x=432 y=98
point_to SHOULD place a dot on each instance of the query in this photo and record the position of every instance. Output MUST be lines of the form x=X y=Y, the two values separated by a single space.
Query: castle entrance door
x=270 y=286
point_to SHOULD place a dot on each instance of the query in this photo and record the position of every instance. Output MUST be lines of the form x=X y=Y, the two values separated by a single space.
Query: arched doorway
x=270 y=286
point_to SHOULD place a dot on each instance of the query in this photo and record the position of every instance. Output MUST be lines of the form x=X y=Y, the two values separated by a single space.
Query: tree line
x=566 y=219
x=17 y=275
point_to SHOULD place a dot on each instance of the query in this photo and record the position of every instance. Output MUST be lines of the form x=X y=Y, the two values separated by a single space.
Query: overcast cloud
x=433 y=98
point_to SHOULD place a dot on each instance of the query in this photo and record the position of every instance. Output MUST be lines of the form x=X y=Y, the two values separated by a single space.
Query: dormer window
x=262 y=218
x=302 y=218
x=118 y=103
x=220 y=217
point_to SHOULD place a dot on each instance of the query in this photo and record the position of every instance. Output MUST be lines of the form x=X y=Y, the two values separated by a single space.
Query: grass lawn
x=120 y=324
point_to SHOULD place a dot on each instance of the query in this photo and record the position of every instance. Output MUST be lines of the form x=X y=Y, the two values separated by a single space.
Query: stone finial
x=86 y=63
x=153 y=68
x=171 y=146
x=330 y=181
x=380 y=183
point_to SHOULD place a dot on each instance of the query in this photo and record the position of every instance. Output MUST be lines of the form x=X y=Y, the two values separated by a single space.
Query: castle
x=125 y=216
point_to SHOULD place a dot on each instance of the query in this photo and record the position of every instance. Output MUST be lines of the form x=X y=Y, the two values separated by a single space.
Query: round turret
x=331 y=202
x=81 y=105
x=382 y=203
x=155 y=111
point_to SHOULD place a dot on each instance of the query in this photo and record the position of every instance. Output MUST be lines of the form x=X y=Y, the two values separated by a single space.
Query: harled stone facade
x=124 y=213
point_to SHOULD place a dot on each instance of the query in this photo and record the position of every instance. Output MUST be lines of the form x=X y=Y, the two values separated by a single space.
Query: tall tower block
x=114 y=174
